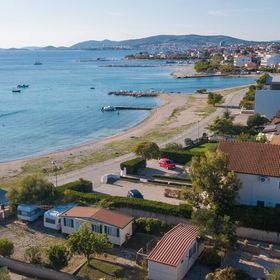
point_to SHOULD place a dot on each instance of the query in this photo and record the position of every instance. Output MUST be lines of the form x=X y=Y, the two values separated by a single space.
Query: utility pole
x=55 y=168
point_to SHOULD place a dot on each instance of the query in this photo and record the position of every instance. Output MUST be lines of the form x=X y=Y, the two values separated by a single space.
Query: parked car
x=135 y=194
x=167 y=163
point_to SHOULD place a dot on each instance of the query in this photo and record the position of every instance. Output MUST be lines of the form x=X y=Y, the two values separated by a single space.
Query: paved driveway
x=151 y=192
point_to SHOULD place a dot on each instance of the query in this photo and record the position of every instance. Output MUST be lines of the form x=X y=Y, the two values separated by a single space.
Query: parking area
x=154 y=168
x=150 y=192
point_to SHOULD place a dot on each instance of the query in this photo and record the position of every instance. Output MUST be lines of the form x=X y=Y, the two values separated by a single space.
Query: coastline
x=175 y=113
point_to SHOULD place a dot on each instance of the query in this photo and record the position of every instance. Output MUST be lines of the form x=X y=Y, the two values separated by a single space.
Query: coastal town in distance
x=139 y=144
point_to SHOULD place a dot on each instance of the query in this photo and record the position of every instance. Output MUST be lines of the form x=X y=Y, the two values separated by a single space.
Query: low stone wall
x=260 y=235
x=261 y=250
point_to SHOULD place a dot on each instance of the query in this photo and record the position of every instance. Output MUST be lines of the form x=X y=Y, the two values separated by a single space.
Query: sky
x=66 y=22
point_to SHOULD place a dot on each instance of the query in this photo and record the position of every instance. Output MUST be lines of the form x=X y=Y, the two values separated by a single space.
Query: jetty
x=133 y=108
x=134 y=93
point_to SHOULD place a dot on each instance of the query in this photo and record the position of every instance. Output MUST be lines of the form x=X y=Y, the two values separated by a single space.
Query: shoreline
x=180 y=105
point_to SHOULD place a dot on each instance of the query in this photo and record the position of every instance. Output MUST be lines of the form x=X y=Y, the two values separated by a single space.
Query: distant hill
x=162 y=41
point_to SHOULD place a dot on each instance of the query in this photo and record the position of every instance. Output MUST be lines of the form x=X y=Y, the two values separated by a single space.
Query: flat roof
x=172 y=247
x=59 y=209
x=27 y=207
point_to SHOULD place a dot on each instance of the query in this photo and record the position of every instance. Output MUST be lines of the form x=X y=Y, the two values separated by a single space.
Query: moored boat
x=108 y=109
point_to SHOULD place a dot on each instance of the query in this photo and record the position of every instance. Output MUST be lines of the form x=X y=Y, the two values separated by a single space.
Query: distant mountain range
x=159 y=42
x=162 y=41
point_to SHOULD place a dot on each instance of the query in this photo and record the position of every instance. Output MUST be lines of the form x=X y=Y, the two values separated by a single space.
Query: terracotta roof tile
x=172 y=247
x=252 y=158
x=99 y=214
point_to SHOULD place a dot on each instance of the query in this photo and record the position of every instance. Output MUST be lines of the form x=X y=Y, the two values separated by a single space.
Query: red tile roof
x=99 y=214
x=171 y=249
x=275 y=140
x=252 y=158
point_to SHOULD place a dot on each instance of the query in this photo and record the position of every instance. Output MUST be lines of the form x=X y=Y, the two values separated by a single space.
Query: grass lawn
x=103 y=269
x=204 y=147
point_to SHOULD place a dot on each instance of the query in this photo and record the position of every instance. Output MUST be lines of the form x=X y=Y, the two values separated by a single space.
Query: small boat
x=16 y=90
x=108 y=109
x=38 y=63
x=22 y=86
x=92 y=88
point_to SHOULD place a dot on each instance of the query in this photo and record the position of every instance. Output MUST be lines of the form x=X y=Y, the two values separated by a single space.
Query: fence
x=31 y=270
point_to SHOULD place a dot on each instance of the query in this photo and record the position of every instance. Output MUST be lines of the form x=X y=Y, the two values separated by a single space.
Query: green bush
x=211 y=257
x=180 y=157
x=132 y=166
x=80 y=185
x=165 y=177
x=33 y=255
x=257 y=217
x=58 y=256
x=151 y=226
x=201 y=90
x=6 y=247
x=182 y=210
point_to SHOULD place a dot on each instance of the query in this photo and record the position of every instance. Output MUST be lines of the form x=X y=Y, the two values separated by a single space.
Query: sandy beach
x=158 y=116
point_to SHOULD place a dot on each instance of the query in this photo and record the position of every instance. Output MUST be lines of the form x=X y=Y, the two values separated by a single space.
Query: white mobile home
x=29 y=212
x=175 y=253
x=52 y=217
x=118 y=227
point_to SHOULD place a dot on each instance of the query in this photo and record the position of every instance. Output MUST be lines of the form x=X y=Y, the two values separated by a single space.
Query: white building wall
x=241 y=61
x=254 y=190
x=55 y=226
x=158 y=271
x=270 y=60
x=113 y=239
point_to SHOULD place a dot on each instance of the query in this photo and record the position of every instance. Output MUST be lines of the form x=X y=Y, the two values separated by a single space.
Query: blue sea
x=59 y=110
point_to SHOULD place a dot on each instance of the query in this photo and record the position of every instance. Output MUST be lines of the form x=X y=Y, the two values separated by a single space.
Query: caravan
x=29 y=212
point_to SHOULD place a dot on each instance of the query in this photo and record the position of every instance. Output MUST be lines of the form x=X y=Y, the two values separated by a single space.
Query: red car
x=167 y=163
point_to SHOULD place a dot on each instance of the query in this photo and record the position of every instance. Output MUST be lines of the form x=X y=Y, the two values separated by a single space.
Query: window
x=50 y=221
x=97 y=228
x=260 y=203
x=112 y=231
x=192 y=250
x=68 y=222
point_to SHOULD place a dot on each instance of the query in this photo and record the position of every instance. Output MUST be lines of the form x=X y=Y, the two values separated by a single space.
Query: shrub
x=182 y=210
x=132 y=166
x=180 y=157
x=201 y=90
x=33 y=255
x=211 y=257
x=151 y=225
x=58 y=256
x=4 y=273
x=169 y=178
x=261 y=218
x=80 y=185
x=6 y=247
x=174 y=146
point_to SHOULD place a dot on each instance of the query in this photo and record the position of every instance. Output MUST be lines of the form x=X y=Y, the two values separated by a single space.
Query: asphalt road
x=96 y=171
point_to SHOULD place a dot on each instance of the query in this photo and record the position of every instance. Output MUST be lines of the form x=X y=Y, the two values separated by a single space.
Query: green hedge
x=133 y=165
x=257 y=217
x=180 y=157
x=80 y=185
x=151 y=226
x=182 y=210
x=165 y=177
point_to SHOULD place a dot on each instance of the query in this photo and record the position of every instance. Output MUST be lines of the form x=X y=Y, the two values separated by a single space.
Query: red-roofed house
x=175 y=253
x=258 y=168
x=118 y=227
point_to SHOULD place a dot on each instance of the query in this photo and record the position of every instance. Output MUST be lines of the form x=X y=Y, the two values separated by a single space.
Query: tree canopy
x=219 y=227
x=214 y=98
x=6 y=247
x=222 y=125
x=213 y=183
x=227 y=273
x=256 y=120
x=88 y=243
x=32 y=189
x=147 y=150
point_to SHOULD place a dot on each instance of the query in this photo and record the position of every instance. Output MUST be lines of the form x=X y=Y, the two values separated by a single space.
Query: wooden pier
x=133 y=108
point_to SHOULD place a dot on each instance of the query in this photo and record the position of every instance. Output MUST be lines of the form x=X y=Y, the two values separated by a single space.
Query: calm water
x=59 y=110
